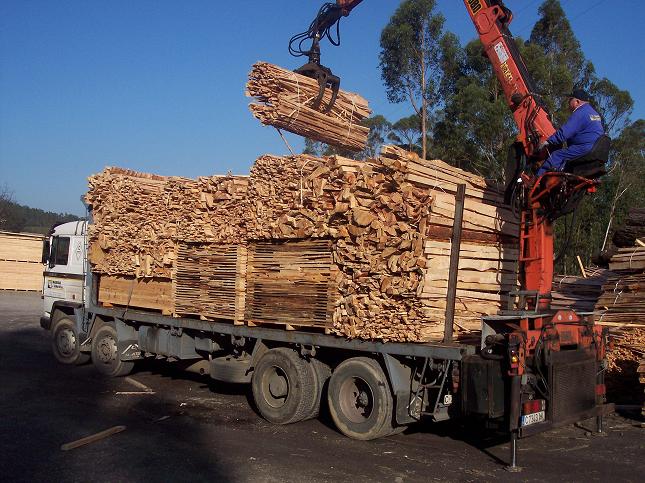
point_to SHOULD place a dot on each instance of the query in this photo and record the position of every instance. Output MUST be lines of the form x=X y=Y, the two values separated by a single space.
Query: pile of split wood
x=287 y=100
x=358 y=248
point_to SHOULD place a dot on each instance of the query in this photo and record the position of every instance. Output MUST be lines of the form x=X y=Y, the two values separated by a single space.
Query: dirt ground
x=182 y=427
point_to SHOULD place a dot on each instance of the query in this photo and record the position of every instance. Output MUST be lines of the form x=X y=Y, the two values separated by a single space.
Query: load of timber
x=355 y=248
x=286 y=100
x=20 y=261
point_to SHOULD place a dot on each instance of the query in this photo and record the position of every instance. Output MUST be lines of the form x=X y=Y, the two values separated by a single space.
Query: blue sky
x=158 y=85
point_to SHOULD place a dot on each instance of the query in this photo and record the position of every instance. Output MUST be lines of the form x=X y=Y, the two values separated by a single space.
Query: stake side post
x=454 y=262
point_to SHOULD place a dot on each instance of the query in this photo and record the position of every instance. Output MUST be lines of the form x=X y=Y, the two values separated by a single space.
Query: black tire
x=284 y=387
x=360 y=400
x=105 y=356
x=323 y=372
x=65 y=343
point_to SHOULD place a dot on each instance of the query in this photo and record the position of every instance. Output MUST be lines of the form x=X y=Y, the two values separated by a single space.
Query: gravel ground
x=188 y=428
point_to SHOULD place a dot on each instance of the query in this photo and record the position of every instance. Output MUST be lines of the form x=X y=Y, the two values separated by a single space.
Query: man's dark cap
x=579 y=94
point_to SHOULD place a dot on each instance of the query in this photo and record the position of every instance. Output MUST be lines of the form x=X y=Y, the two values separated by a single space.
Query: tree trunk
x=423 y=99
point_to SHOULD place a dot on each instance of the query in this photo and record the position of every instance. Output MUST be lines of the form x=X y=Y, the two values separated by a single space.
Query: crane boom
x=491 y=19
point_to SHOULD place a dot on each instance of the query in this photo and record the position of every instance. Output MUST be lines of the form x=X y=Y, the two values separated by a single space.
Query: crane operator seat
x=592 y=164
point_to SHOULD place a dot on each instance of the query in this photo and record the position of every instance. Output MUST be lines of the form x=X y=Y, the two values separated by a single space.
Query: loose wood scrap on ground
x=285 y=100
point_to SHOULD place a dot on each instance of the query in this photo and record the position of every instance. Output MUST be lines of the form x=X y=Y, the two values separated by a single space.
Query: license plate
x=532 y=418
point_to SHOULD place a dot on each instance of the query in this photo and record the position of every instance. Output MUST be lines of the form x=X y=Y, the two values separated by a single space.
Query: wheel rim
x=356 y=399
x=66 y=342
x=275 y=387
x=106 y=350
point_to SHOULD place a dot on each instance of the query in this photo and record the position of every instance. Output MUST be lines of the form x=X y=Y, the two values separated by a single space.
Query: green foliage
x=406 y=132
x=20 y=218
x=411 y=58
x=379 y=131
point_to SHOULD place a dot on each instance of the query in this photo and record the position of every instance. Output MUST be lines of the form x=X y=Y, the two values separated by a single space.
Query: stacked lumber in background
x=634 y=229
x=286 y=102
x=20 y=261
x=352 y=247
x=628 y=259
x=624 y=376
x=622 y=302
x=621 y=308
x=577 y=292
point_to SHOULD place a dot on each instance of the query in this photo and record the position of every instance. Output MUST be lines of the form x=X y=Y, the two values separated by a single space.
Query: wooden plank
x=140 y=293
x=21 y=275
x=285 y=100
x=289 y=283
x=21 y=247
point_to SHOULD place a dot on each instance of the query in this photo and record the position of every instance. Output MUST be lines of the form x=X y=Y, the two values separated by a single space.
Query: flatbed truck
x=373 y=389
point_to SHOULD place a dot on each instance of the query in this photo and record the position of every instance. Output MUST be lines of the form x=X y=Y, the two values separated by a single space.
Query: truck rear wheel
x=65 y=343
x=284 y=387
x=105 y=356
x=323 y=372
x=360 y=400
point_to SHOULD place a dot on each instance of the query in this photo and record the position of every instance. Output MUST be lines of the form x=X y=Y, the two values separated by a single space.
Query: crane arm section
x=491 y=19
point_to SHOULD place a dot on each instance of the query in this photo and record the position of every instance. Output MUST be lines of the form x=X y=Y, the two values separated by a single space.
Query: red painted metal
x=491 y=19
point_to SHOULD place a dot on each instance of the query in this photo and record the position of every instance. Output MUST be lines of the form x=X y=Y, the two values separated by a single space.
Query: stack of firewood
x=286 y=100
x=379 y=269
x=138 y=218
x=489 y=247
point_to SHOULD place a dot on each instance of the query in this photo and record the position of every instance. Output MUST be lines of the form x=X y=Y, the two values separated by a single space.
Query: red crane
x=528 y=335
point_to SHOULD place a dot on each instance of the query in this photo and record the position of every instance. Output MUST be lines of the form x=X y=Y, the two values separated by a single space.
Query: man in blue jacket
x=580 y=132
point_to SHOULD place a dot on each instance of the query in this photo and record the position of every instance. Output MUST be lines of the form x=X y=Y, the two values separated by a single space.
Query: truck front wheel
x=105 y=356
x=360 y=400
x=65 y=343
x=284 y=386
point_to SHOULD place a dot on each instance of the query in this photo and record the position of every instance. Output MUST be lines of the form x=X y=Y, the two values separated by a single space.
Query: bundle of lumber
x=286 y=101
x=20 y=261
x=631 y=259
x=358 y=248
x=138 y=218
x=376 y=221
x=634 y=229
x=577 y=292
x=489 y=247
x=622 y=302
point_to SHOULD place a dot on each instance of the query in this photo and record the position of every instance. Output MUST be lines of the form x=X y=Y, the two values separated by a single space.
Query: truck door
x=63 y=276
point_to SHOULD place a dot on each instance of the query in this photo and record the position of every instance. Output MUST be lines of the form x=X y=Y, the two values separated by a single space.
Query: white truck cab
x=64 y=256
